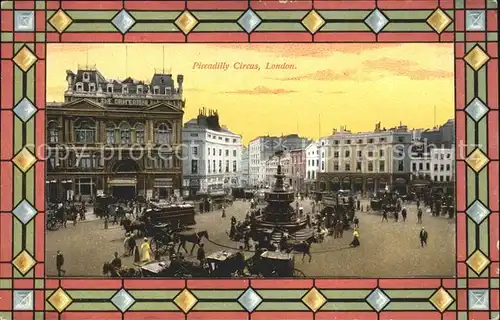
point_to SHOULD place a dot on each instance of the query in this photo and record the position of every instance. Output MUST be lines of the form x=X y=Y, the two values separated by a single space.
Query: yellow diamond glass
x=185 y=300
x=186 y=22
x=313 y=21
x=439 y=20
x=476 y=58
x=314 y=299
x=24 y=262
x=24 y=160
x=60 y=300
x=477 y=160
x=478 y=262
x=24 y=59
x=60 y=21
x=441 y=299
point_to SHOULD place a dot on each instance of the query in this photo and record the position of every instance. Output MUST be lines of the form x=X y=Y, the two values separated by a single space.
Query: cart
x=278 y=264
x=225 y=264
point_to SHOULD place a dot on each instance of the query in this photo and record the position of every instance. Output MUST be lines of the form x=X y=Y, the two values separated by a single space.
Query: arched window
x=53 y=132
x=110 y=133
x=125 y=133
x=139 y=133
x=85 y=130
x=163 y=134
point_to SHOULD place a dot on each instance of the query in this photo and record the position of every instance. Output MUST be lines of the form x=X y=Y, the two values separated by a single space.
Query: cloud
x=406 y=68
x=260 y=90
x=328 y=75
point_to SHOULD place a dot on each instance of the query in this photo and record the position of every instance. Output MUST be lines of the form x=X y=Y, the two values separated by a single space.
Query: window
x=79 y=86
x=227 y=153
x=213 y=153
x=194 y=166
x=448 y=156
x=442 y=156
x=336 y=154
x=348 y=142
x=86 y=162
x=435 y=167
x=441 y=178
x=110 y=88
x=213 y=162
x=381 y=153
x=220 y=152
x=336 y=166
x=435 y=178
x=168 y=91
x=360 y=141
x=313 y=173
x=358 y=166
x=234 y=153
x=381 y=166
x=427 y=166
x=208 y=166
x=234 y=166
x=308 y=175
x=322 y=165
x=370 y=140
x=124 y=89
x=414 y=166
x=195 y=151
x=139 y=133
x=84 y=131
x=383 y=139
x=125 y=133
x=447 y=178
x=140 y=89
x=84 y=186
x=401 y=166
x=336 y=142
x=156 y=90
x=370 y=166
x=317 y=163
x=370 y=153
x=401 y=139
x=92 y=87
x=347 y=167
x=420 y=166
x=220 y=165
x=448 y=167
x=208 y=151
x=347 y=153
x=110 y=133
x=53 y=132
x=441 y=167
x=360 y=154
x=86 y=76
x=163 y=134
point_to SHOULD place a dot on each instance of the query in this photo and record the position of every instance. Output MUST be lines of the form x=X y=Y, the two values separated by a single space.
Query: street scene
x=165 y=177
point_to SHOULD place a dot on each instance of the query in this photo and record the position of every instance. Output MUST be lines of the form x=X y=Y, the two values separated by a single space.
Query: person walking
x=116 y=262
x=404 y=214
x=423 y=237
x=60 y=264
x=223 y=211
x=355 y=241
x=200 y=255
x=356 y=222
x=384 y=216
x=146 y=251
x=419 y=215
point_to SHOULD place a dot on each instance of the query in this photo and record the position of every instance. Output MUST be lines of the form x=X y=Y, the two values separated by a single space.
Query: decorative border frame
x=28 y=26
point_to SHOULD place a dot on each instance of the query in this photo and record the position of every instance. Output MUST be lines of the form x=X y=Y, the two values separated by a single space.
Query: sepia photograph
x=250 y=160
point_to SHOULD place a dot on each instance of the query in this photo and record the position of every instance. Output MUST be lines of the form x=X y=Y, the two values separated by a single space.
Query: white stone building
x=442 y=164
x=312 y=164
x=211 y=155
x=245 y=177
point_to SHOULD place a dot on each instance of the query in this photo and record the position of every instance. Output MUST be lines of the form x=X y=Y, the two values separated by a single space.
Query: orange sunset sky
x=355 y=85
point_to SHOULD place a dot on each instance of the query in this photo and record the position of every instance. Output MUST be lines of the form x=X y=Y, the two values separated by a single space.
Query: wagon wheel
x=298 y=274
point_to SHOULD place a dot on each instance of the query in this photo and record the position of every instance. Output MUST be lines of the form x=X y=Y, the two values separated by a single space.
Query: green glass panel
x=482 y=84
x=40 y=37
x=405 y=26
x=157 y=15
x=91 y=306
x=462 y=283
x=217 y=15
x=154 y=294
x=393 y=306
x=91 y=294
x=50 y=28
x=460 y=36
x=459 y=4
x=482 y=134
x=18 y=133
x=492 y=36
x=409 y=294
x=471 y=237
x=494 y=283
x=345 y=26
x=469 y=78
x=471 y=134
x=282 y=294
x=212 y=306
x=218 y=294
x=30 y=237
x=17 y=186
x=280 y=306
x=337 y=306
x=91 y=27
x=7 y=37
x=408 y=14
x=345 y=294
x=154 y=27
x=344 y=15
x=147 y=306
x=30 y=135
x=5 y=284
x=281 y=26
x=282 y=15
x=217 y=26
x=91 y=15
x=18 y=84
x=484 y=231
x=17 y=234
x=39 y=284
x=40 y=4
x=471 y=186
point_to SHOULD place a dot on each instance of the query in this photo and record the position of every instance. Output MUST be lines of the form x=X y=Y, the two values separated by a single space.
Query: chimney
x=180 y=80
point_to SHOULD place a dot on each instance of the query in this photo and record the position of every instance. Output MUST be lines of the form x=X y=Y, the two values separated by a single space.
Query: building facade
x=113 y=137
x=367 y=162
x=442 y=164
x=245 y=174
x=312 y=165
x=262 y=148
x=212 y=155
x=298 y=169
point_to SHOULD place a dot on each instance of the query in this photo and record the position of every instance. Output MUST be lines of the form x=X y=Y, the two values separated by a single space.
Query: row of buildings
x=128 y=138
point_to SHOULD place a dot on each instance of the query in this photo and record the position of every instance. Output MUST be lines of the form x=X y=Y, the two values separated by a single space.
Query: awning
x=122 y=182
x=163 y=183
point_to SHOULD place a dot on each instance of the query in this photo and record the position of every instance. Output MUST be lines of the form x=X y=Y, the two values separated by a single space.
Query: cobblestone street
x=388 y=249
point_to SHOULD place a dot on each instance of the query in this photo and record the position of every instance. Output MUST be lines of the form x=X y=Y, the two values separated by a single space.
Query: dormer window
x=79 y=86
x=140 y=90
x=168 y=91
x=156 y=90
x=86 y=76
x=124 y=89
x=92 y=87
x=109 y=88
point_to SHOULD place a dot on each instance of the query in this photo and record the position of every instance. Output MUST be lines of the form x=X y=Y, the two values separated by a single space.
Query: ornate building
x=115 y=137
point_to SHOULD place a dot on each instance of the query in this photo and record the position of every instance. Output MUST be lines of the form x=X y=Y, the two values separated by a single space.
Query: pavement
x=388 y=249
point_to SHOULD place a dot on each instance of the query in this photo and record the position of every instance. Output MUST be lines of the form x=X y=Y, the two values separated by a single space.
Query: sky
x=329 y=85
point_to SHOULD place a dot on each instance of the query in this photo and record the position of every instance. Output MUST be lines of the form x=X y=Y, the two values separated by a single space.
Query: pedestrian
x=396 y=215
x=418 y=203
x=419 y=215
x=146 y=251
x=423 y=237
x=247 y=240
x=403 y=214
x=60 y=264
x=223 y=211
x=356 y=222
x=106 y=222
x=355 y=241
x=200 y=255
x=384 y=216
x=116 y=262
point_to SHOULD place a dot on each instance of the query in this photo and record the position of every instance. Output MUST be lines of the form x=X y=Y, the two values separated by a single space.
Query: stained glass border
x=28 y=26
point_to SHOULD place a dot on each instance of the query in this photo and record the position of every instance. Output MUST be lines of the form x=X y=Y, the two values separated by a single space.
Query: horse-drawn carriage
x=101 y=205
x=225 y=264
x=272 y=264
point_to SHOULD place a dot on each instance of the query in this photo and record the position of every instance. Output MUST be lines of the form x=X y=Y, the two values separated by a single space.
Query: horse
x=303 y=247
x=194 y=238
x=113 y=272
x=131 y=226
